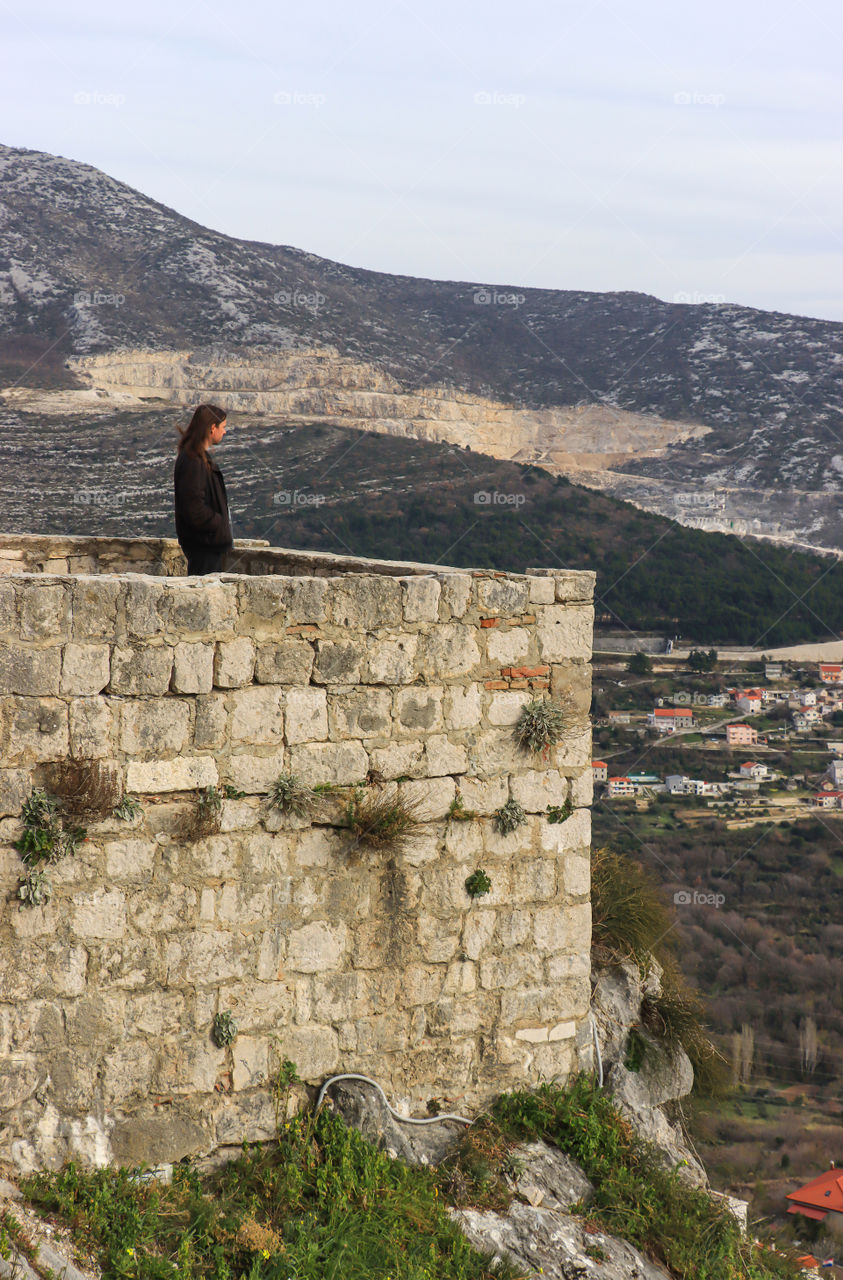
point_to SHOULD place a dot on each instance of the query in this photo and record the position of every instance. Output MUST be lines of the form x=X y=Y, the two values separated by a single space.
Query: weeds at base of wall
x=321 y=1201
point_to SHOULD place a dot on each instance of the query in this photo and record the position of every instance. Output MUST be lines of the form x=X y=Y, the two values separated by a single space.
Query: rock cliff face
x=320 y=385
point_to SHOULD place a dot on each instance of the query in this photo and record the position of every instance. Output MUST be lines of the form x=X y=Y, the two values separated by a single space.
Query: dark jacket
x=202 y=518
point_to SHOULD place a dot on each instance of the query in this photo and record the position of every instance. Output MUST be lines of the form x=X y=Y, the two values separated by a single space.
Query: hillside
x=334 y=489
x=709 y=413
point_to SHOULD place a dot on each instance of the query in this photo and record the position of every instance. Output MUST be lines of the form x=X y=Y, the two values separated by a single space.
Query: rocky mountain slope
x=711 y=414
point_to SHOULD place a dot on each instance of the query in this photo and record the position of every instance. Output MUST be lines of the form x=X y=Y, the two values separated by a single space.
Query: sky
x=691 y=152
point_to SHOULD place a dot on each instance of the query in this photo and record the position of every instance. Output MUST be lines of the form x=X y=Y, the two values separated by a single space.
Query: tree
x=700 y=660
x=808 y=1047
x=639 y=664
x=743 y=1052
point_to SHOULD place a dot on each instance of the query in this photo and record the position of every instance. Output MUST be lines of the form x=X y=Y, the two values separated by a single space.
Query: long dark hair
x=195 y=434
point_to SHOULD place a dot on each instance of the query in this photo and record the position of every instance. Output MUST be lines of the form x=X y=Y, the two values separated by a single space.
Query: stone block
x=447 y=652
x=263 y=605
x=363 y=602
x=477 y=933
x=438 y=939
x=421 y=599
x=95 y=602
x=534 y=880
x=418 y=710
x=15 y=786
x=141 y=671
x=256 y=716
x=193 y=667
x=575 y=584
x=211 y=723
x=146 y=607
x=495 y=753
x=432 y=797
x=484 y=797
x=565 y=632
x=316 y=948
x=8 y=609
x=514 y=927
x=441 y=757
x=252 y=773
x=573 y=833
x=127 y=1072
x=461 y=978
x=505 y=707
x=32 y=672
x=337 y=662
x=314 y=1049
x=34 y=729
x=456 y=592
x=390 y=661
x=463 y=706
x=202 y=608
x=308 y=600
x=306 y=715
x=99 y=914
x=505 y=648
x=536 y=789
x=360 y=713
x=157 y=1138
x=96 y=1019
x=542 y=590
x=577 y=874
x=284 y=662
x=504 y=596
x=399 y=759
x=552 y=929
x=20 y=1076
x=86 y=668
x=251 y=1062
x=44 y=609
x=204 y=957
x=150 y=728
x=512 y=972
x=127 y=860
x=342 y=763
x=188 y=773
x=234 y=664
x=582 y=789
x=92 y=725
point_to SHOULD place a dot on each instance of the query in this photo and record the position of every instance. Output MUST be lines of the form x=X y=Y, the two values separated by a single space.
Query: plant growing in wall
x=45 y=839
x=384 y=820
x=560 y=812
x=288 y=794
x=224 y=1030
x=478 y=884
x=509 y=817
x=204 y=819
x=457 y=811
x=85 y=788
x=540 y=724
x=127 y=808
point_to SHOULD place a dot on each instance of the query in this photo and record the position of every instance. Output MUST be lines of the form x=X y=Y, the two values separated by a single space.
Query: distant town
x=769 y=744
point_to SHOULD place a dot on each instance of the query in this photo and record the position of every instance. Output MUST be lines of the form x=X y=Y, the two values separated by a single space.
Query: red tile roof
x=816 y=1198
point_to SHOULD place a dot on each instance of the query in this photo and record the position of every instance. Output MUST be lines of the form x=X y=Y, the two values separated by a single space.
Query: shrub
x=288 y=794
x=540 y=724
x=384 y=820
x=509 y=817
x=629 y=917
x=86 y=788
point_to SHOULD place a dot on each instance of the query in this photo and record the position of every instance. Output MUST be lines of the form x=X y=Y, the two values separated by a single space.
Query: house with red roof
x=831 y=673
x=741 y=735
x=821 y=1200
x=599 y=770
x=669 y=719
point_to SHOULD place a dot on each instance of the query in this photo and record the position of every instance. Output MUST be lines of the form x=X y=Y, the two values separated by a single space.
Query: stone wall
x=337 y=957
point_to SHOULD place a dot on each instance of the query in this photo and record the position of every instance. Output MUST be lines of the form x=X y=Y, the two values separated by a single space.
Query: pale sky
x=691 y=152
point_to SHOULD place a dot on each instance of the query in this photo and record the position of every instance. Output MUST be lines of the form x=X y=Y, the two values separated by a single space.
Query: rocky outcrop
x=664 y=1075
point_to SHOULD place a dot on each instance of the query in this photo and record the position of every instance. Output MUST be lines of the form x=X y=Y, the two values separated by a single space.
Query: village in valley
x=763 y=738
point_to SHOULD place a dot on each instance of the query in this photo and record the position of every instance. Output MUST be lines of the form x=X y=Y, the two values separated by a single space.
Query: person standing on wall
x=203 y=524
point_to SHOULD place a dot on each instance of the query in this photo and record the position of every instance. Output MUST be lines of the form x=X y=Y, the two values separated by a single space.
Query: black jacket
x=202 y=518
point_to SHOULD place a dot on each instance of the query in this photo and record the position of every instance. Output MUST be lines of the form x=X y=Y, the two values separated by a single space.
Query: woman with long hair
x=203 y=525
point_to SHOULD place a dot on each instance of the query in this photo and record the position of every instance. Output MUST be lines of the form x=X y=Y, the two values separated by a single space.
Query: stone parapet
x=338 y=957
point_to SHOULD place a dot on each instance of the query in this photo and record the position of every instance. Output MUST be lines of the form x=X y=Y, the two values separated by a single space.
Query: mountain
x=720 y=416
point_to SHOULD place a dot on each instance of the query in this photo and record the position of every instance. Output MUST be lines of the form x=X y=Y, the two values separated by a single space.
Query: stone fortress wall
x=337 y=957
